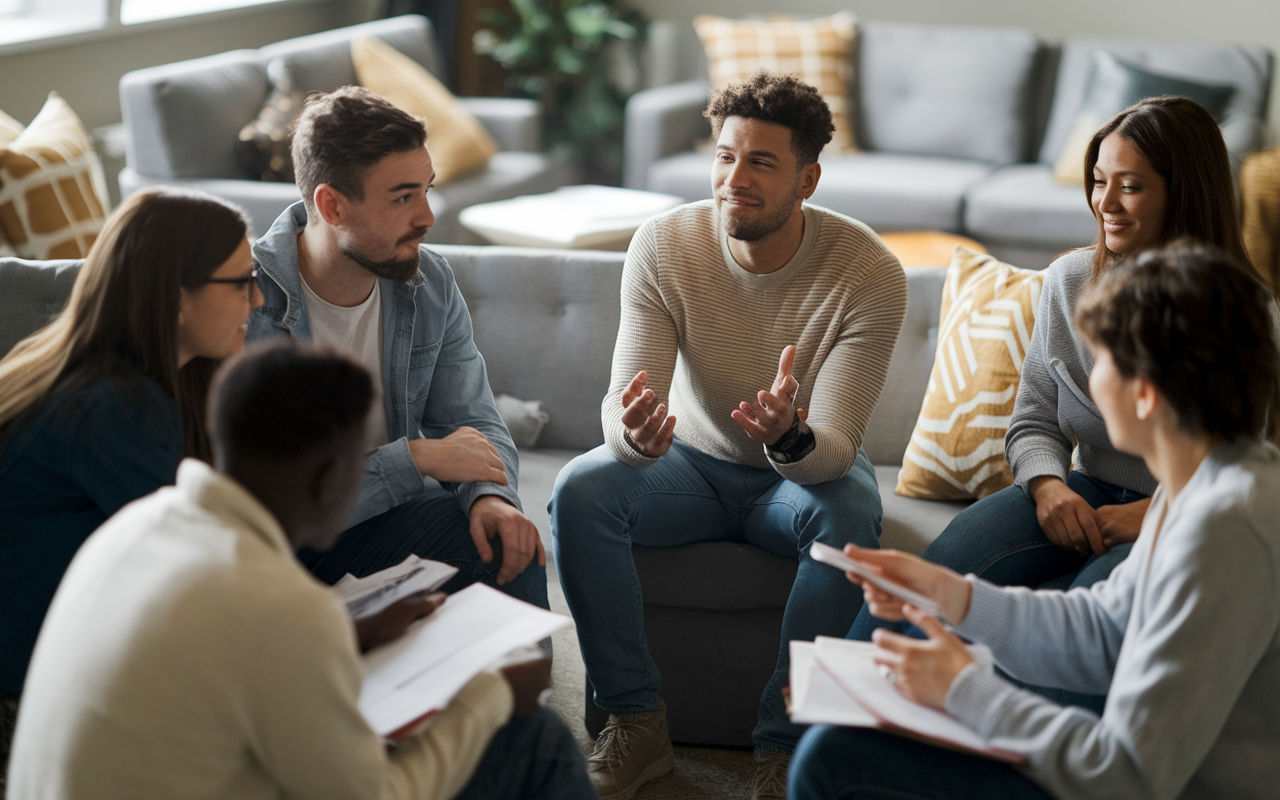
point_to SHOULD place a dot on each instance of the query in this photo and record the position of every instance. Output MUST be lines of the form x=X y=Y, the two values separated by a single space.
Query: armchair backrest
x=184 y=118
x=32 y=293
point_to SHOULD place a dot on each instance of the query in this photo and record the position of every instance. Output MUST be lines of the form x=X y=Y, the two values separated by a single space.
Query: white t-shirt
x=357 y=333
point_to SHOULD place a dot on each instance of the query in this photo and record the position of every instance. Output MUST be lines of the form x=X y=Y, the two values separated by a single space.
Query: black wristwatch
x=795 y=444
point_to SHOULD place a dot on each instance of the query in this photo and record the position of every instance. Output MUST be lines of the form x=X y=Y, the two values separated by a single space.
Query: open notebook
x=834 y=681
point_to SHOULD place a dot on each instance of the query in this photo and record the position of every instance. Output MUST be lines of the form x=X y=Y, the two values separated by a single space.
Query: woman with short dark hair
x=1184 y=636
x=1156 y=172
x=98 y=408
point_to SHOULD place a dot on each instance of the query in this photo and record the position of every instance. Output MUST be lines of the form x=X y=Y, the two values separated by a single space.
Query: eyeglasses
x=246 y=283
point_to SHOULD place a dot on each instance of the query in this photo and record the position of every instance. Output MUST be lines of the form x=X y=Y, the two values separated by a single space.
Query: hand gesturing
x=646 y=420
x=774 y=411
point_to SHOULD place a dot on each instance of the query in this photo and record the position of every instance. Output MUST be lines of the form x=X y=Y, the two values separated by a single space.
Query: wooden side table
x=926 y=248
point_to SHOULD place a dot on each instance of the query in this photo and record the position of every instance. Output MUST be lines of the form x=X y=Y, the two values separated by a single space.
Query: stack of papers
x=410 y=679
x=369 y=595
x=835 y=682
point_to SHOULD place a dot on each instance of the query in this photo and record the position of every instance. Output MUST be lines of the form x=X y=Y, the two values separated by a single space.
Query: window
x=26 y=21
x=133 y=12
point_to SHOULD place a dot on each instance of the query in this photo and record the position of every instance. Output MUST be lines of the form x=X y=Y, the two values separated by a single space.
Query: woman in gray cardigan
x=1184 y=635
x=1155 y=173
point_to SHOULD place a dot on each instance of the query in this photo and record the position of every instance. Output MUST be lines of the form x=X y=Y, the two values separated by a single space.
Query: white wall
x=87 y=73
x=1225 y=21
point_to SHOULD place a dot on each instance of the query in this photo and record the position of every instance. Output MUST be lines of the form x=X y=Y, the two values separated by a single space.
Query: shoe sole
x=655 y=770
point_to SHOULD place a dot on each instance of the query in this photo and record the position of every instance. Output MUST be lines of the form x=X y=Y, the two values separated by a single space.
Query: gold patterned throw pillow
x=52 y=190
x=263 y=145
x=9 y=129
x=818 y=52
x=957 y=448
x=458 y=142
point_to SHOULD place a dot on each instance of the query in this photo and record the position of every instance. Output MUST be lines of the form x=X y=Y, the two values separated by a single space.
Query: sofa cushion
x=184 y=119
x=34 y=293
x=987 y=315
x=817 y=51
x=887 y=191
x=456 y=139
x=53 y=196
x=1248 y=69
x=910 y=524
x=946 y=91
x=322 y=61
x=1114 y=85
x=890 y=426
x=1023 y=204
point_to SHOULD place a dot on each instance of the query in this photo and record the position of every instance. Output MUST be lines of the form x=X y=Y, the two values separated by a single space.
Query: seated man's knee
x=587 y=481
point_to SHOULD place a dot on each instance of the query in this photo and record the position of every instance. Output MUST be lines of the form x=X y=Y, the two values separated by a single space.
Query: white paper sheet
x=368 y=595
x=817 y=698
x=423 y=670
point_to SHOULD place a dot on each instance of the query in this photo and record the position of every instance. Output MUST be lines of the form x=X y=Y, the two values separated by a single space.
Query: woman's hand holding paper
x=949 y=590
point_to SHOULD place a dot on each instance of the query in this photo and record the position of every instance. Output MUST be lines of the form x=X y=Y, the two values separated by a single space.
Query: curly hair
x=781 y=99
x=1196 y=322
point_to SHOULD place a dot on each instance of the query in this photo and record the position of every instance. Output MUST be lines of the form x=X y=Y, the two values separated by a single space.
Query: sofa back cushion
x=945 y=90
x=32 y=293
x=889 y=429
x=185 y=118
x=1248 y=69
x=546 y=322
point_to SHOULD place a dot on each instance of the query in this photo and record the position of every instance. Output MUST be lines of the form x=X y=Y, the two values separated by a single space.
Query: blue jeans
x=431 y=525
x=601 y=506
x=534 y=757
x=999 y=539
x=844 y=763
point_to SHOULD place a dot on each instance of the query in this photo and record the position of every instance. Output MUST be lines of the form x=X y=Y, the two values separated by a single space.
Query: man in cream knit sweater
x=187 y=653
x=755 y=337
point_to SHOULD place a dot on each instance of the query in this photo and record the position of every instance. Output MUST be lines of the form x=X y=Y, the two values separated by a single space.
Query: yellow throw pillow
x=457 y=140
x=52 y=190
x=957 y=449
x=818 y=52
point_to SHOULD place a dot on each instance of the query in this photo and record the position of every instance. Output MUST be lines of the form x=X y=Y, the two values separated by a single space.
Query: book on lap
x=836 y=682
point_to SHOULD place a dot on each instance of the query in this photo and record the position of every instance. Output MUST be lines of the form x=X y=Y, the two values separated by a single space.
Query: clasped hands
x=1071 y=523
x=650 y=429
x=922 y=670
x=467 y=456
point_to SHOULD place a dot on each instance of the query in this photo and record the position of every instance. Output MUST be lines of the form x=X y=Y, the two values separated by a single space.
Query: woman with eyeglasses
x=98 y=408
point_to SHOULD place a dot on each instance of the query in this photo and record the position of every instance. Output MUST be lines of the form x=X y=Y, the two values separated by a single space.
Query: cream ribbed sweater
x=710 y=333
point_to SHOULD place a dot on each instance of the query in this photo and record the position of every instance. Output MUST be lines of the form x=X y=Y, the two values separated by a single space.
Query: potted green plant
x=580 y=59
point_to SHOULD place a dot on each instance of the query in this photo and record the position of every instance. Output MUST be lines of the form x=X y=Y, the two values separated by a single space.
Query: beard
x=771 y=220
x=400 y=270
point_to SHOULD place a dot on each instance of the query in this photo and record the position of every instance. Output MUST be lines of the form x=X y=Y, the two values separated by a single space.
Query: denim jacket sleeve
x=390 y=478
x=460 y=396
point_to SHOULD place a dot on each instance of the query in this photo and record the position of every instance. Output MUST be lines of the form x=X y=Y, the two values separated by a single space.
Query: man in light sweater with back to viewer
x=772 y=306
x=187 y=653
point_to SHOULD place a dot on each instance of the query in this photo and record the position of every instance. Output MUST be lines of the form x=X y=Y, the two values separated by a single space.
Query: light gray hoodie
x=1184 y=638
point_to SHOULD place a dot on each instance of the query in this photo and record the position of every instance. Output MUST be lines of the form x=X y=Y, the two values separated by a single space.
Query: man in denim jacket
x=345 y=268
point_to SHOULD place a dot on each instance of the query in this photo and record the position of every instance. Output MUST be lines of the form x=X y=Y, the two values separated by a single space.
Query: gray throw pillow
x=524 y=418
x=1115 y=84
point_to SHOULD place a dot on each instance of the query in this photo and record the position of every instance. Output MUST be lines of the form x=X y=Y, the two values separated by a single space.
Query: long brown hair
x=123 y=310
x=1184 y=145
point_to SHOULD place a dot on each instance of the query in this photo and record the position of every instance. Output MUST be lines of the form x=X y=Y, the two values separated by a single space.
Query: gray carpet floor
x=701 y=773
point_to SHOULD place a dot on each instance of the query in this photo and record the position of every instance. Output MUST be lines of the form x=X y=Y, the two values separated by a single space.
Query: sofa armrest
x=661 y=121
x=514 y=123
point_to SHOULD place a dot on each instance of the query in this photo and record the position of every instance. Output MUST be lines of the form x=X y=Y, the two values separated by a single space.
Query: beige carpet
x=704 y=773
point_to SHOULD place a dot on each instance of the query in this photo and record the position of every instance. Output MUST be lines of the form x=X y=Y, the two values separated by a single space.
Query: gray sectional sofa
x=959 y=126
x=546 y=321
x=183 y=120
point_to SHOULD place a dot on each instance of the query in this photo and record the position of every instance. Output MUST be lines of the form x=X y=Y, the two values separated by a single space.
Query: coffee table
x=576 y=217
